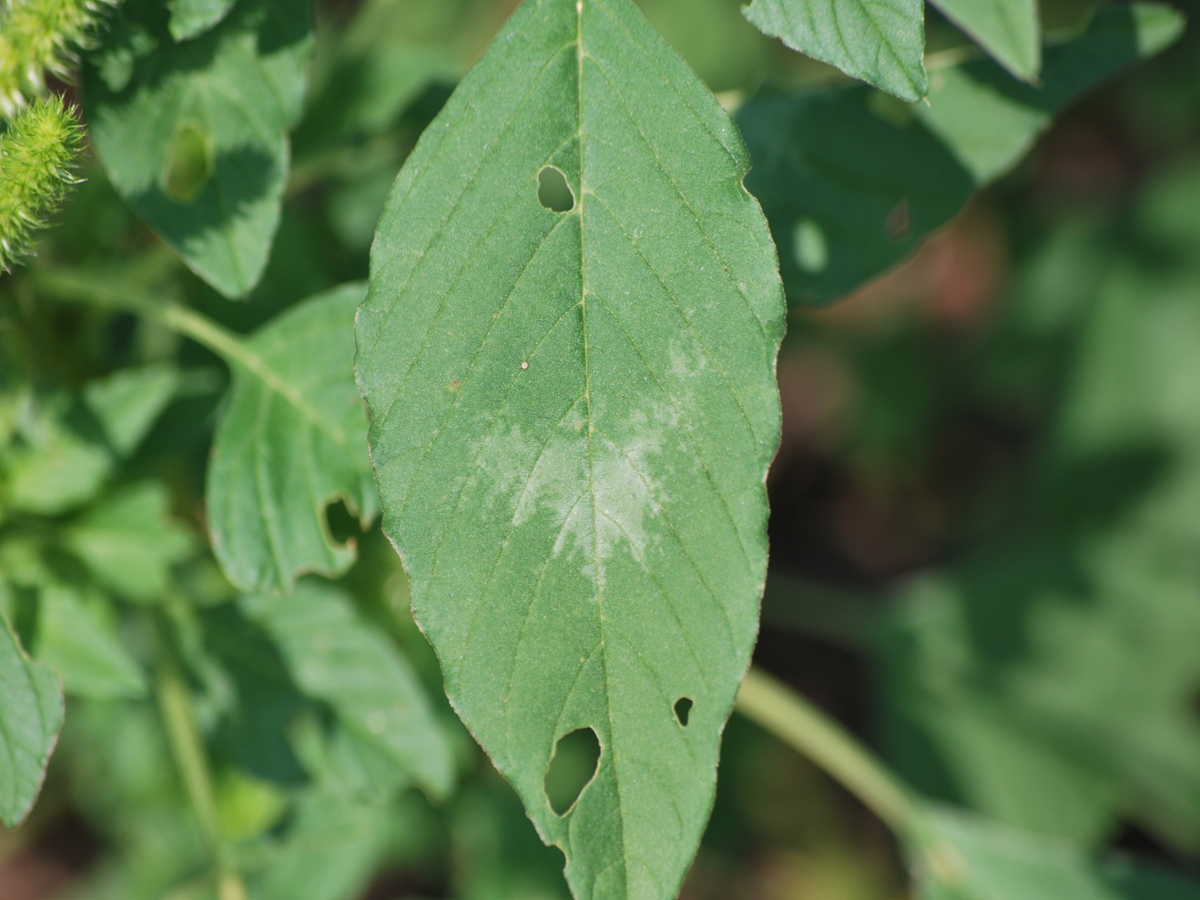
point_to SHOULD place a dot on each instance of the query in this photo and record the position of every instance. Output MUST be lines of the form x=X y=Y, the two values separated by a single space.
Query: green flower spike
x=36 y=155
x=37 y=36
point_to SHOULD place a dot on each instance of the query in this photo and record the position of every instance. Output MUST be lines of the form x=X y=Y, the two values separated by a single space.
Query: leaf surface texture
x=881 y=42
x=572 y=417
x=292 y=441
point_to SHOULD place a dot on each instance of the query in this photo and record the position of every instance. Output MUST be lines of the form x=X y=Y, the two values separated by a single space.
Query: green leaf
x=1007 y=29
x=190 y=18
x=335 y=658
x=31 y=715
x=990 y=121
x=851 y=185
x=388 y=53
x=128 y=402
x=879 y=41
x=963 y=857
x=194 y=137
x=130 y=542
x=330 y=852
x=848 y=192
x=292 y=441
x=77 y=638
x=572 y=417
x=52 y=470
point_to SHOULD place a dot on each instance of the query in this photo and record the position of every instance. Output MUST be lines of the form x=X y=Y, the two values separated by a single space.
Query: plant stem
x=188 y=751
x=231 y=347
x=180 y=319
x=798 y=723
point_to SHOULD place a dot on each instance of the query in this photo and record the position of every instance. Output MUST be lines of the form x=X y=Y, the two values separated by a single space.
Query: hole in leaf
x=809 y=246
x=189 y=163
x=574 y=765
x=343 y=525
x=683 y=709
x=553 y=191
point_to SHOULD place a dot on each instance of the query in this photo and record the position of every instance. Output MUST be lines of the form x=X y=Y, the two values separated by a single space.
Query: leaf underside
x=881 y=42
x=292 y=441
x=572 y=417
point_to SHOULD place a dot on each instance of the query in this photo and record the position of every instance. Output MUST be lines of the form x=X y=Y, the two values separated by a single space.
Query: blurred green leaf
x=959 y=742
x=1007 y=29
x=77 y=637
x=239 y=87
x=572 y=416
x=31 y=714
x=129 y=541
x=190 y=18
x=292 y=441
x=52 y=469
x=963 y=857
x=990 y=120
x=330 y=851
x=881 y=43
x=389 y=52
x=335 y=658
x=128 y=402
x=852 y=185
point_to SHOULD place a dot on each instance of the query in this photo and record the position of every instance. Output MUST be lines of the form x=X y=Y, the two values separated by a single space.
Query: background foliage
x=985 y=547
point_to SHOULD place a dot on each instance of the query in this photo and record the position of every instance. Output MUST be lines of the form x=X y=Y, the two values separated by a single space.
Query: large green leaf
x=193 y=134
x=850 y=187
x=879 y=41
x=337 y=659
x=31 y=714
x=572 y=417
x=292 y=441
x=1008 y=29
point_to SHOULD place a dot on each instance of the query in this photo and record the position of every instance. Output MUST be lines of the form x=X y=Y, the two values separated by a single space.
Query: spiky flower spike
x=38 y=36
x=36 y=155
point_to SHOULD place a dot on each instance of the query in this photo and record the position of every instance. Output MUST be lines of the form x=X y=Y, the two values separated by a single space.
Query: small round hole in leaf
x=576 y=759
x=554 y=192
x=809 y=246
x=683 y=709
x=189 y=164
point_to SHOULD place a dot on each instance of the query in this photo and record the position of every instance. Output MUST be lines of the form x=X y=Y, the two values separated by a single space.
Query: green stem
x=187 y=748
x=798 y=723
x=88 y=289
